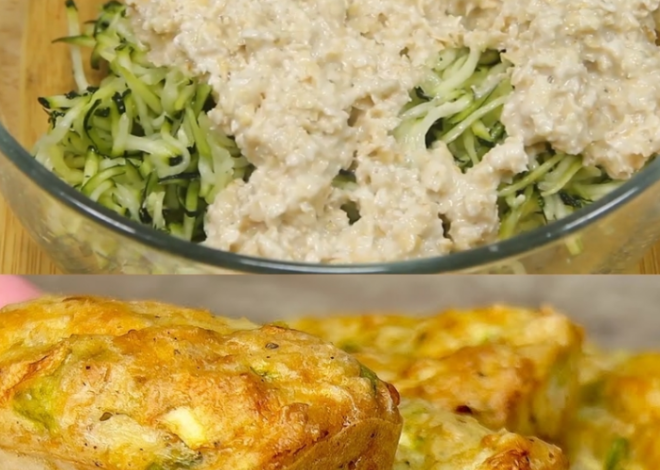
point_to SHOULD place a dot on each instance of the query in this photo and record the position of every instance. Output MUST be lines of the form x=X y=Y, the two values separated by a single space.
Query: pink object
x=16 y=289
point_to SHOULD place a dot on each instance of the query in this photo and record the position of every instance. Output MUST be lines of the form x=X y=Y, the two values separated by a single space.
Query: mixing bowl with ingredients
x=320 y=137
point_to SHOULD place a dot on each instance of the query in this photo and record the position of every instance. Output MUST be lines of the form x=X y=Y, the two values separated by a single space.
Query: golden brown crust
x=436 y=438
x=352 y=448
x=50 y=319
x=124 y=386
x=508 y=367
x=631 y=388
x=470 y=382
x=521 y=453
x=619 y=417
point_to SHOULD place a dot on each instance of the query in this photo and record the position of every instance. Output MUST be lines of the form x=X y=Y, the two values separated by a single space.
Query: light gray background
x=616 y=310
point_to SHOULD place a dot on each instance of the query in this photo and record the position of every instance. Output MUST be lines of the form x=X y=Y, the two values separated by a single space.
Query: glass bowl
x=84 y=237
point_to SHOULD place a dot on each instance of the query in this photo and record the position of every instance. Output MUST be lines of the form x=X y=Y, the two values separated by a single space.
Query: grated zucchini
x=141 y=143
x=461 y=106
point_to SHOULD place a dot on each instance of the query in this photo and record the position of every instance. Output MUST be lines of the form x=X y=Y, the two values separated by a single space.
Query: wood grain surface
x=18 y=253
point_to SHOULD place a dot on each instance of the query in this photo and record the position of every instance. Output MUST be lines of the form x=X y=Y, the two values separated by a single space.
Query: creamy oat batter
x=310 y=87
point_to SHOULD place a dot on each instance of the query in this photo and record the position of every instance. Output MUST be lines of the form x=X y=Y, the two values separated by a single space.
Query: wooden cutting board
x=18 y=253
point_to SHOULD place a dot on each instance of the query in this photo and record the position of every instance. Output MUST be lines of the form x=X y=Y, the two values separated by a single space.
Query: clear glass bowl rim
x=460 y=261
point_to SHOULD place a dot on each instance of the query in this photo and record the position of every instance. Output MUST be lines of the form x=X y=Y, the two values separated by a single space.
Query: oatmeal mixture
x=311 y=87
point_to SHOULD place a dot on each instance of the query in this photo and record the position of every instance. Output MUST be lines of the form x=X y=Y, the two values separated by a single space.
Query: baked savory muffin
x=438 y=439
x=508 y=367
x=89 y=383
x=618 y=423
